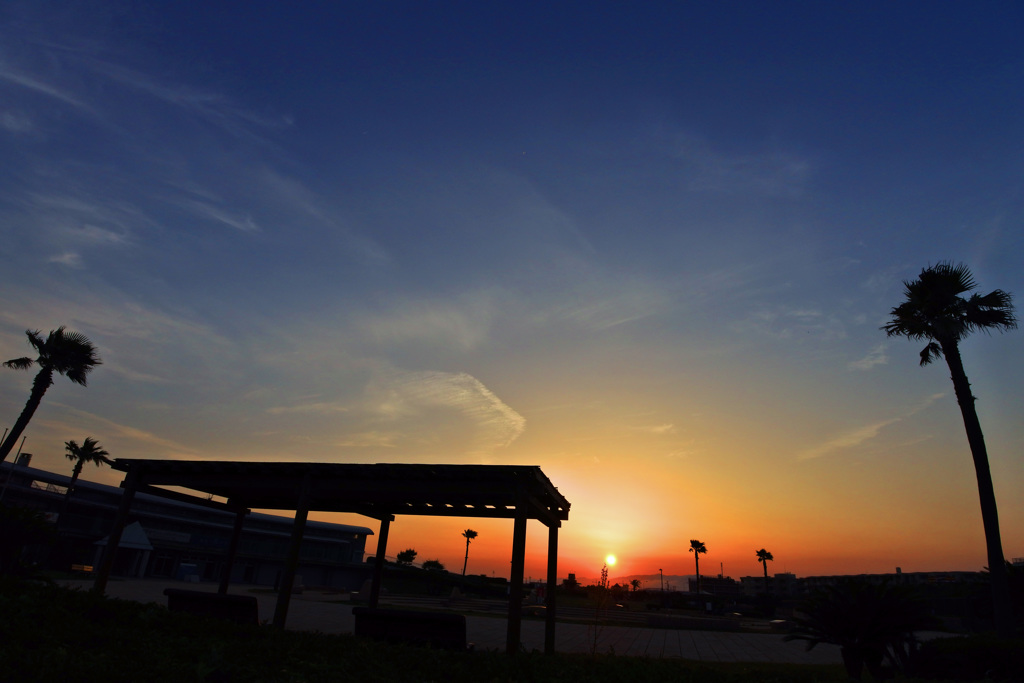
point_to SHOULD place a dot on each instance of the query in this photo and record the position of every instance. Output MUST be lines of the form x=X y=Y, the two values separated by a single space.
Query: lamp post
x=662 y=580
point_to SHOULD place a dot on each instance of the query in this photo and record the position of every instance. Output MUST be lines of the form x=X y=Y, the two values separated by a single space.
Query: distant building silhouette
x=175 y=539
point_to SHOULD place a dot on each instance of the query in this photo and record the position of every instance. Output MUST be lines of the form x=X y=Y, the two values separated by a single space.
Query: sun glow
x=610 y=560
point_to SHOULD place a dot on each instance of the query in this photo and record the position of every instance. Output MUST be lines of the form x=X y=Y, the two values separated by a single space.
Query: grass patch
x=51 y=633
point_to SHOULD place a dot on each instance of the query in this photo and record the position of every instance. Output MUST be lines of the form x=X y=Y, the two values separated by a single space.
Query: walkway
x=318 y=611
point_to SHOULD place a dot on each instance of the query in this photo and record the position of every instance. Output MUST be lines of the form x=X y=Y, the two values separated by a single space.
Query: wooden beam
x=378 y=567
x=229 y=561
x=129 y=485
x=549 y=610
x=515 y=595
x=284 y=588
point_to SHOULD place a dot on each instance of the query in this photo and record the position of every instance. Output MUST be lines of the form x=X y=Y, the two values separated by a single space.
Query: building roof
x=380 y=491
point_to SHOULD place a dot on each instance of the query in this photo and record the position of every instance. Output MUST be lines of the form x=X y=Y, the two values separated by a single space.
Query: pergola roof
x=380 y=491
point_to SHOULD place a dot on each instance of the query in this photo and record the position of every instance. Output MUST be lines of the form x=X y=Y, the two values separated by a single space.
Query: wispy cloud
x=141 y=437
x=16 y=123
x=792 y=323
x=67 y=258
x=770 y=173
x=318 y=408
x=860 y=435
x=408 y=394
x=876 y=357
x=462 y=324
x=210 y=106
x=20 y=78
x=217 y=214
x=657 y=429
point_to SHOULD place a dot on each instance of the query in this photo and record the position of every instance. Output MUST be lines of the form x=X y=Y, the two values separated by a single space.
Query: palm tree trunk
x=67 y=494
x=696 y=559
x=765 y=563
x=42 y=382
x=1001 y=613
x=465 y=562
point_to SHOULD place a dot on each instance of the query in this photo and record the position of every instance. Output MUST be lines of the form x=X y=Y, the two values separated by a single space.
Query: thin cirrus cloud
x=876 y=357
x=464 y=324
x=863 y=434
x=19 y=78
x=407 y=395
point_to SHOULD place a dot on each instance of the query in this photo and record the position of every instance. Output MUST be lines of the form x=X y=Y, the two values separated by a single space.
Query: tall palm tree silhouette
x=764 y=557
x=469 y=535
x=935 y=310
x=67 y=353
x=697 y=547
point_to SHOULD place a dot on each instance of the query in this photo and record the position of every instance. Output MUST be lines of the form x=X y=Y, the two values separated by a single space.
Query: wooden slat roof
x=376 y=490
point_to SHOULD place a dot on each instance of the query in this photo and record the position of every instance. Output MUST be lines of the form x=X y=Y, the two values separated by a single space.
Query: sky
x=646 y=248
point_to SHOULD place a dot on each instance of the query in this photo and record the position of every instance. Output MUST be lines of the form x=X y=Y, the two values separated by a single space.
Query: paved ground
x=316 y=611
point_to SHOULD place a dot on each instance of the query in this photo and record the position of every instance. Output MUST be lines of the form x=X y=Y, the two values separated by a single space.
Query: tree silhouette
x=697 y=547
x=764 y=557
x=469 y=535
x=635 y=585
x=407 y=556
x=935 y=310
x=67 y=353
x=433 y=565
x=89 y=451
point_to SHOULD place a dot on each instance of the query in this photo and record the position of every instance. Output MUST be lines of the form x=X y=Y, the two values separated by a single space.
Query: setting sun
x=610 y=560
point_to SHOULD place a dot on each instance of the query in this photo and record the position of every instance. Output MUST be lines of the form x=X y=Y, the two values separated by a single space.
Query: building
x=176 y=539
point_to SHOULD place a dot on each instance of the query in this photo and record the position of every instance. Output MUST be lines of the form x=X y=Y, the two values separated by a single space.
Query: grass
x=50 y=633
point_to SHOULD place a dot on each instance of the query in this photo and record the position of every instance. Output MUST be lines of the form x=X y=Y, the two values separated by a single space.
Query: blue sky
x=646 y=249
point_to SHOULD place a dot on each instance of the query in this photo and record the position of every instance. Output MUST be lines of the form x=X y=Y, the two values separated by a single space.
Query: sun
x=610 y=560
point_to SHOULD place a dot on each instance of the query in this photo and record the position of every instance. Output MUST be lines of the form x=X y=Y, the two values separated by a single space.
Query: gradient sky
x=647 y=249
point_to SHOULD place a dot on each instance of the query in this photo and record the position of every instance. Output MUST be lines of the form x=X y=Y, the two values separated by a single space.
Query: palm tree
x=935 y=310
x=89 y=451
x=635 y=585
x=697 y=547
x=469 y=535
x=67 y=353
x=764 y=557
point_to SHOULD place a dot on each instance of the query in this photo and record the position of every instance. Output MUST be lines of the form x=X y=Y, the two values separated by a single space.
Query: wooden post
x=129 y=485
x=549 y=616
x=284 y=588
x=378 y=567
x=229 y=562
x=515 y=595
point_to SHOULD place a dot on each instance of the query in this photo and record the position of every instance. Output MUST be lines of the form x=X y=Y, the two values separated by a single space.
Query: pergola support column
x=284 y=589
x=229 y=562
x=515 y=595
x=114 y=539
x=378 y=566
x=549 y=611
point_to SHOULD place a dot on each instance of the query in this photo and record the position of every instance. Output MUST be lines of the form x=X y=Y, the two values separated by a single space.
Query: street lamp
x=662 y=580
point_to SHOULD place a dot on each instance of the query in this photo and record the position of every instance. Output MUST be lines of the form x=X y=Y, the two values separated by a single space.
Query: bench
x=241 y=609
x=433 y=629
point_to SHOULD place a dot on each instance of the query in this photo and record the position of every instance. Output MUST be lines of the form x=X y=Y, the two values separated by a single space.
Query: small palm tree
x=67 y=353
x=697 y=547
x=934 y=310
x=89 y=451
x=469 y=535
x=635 y=585
x=764 y=557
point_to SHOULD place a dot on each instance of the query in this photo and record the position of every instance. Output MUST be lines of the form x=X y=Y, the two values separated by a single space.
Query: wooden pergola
x=378 y=491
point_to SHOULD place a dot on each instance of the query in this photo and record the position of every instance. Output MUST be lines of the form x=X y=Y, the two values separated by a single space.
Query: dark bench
x=434 y=629
x=241 y=609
